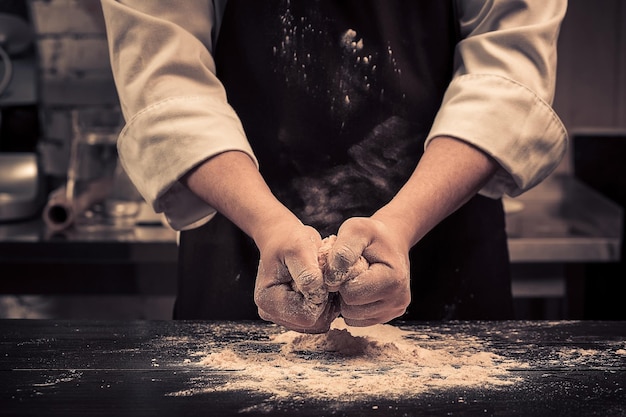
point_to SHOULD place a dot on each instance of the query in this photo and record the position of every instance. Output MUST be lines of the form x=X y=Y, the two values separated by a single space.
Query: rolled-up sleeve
x=499 y=99
x=176 y=110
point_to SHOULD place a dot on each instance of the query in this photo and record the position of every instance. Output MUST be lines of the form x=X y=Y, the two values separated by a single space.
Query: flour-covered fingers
x=307 y=276
x=375 y=296
x=378 y=282
x=289 y=287
x=351 y=241
x=282 y=304
x=301 y=319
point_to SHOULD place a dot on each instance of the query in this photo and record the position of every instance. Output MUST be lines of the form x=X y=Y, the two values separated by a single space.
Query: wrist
x=401 y=225
x=274 y=223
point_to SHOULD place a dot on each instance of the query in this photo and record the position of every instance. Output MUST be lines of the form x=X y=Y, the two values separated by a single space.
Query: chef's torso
x=336 y=97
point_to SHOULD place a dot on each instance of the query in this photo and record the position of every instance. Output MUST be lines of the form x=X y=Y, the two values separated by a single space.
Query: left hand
x=381 y=292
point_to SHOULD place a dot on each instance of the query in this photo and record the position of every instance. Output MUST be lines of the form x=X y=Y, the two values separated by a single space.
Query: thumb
x=347 y=250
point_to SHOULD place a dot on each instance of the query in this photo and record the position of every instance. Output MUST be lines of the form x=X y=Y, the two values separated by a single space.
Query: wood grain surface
x=50 y=368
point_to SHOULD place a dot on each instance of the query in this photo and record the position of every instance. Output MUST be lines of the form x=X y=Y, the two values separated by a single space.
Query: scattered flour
x=350 y=363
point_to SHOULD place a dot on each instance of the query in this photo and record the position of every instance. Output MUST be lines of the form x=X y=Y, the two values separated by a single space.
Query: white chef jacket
x=178 y=115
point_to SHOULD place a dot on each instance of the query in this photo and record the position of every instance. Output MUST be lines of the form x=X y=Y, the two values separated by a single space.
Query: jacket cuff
x=507 y=121
x=160 y=144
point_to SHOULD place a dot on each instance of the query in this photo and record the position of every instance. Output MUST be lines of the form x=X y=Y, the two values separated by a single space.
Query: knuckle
x=355 y=224
x=306 y=278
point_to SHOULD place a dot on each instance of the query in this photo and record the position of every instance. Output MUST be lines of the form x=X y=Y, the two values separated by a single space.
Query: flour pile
x=350 y=363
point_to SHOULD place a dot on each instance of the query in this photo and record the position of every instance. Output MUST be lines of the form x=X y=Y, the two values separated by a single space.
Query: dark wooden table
x=156 y=368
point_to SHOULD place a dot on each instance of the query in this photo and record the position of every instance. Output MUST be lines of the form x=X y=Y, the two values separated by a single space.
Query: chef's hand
x=382 y=291
x=290 y=288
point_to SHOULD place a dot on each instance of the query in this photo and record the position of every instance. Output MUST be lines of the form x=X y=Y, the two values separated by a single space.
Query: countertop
x=173 y=368
x=564 y=220
x=560 y=220
x=28 y=241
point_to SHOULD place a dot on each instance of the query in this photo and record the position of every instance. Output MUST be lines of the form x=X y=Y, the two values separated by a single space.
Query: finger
x=363 y=323
x=346 y=251
x=322 y=325
x=303 y=266
x=345 y=258
x=275 y=294
x=307 y=277
x=374 y=321
x=282 y=305
x=370 y=314
x=376 y=283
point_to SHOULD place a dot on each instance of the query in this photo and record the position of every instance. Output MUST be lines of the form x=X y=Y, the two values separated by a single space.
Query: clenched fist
x=370 y=270
x=290 y=288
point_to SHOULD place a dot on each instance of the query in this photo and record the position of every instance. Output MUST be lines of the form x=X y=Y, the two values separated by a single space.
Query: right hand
x=289 y=286
x=290 y=289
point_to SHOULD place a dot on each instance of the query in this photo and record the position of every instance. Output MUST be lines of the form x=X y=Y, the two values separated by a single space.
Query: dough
x=334 y=280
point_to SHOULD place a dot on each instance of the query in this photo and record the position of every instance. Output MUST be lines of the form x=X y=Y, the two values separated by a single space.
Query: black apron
x=337 y=98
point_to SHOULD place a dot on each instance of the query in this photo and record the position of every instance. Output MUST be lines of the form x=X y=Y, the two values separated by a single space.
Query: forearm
x=449 y=173
x=502 y=86
x=175 y=106
x=289 y=288
x=231 y=183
